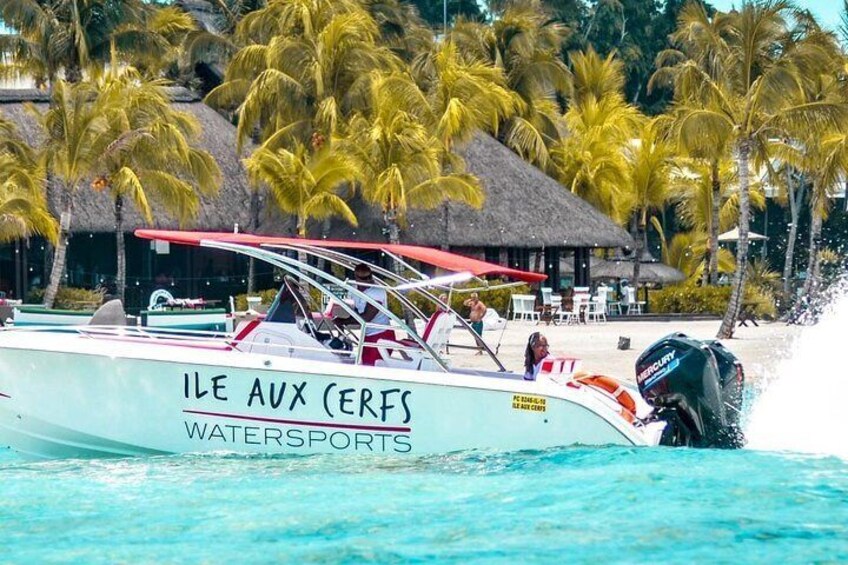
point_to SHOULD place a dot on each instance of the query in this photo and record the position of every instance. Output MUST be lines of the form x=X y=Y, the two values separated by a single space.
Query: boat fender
x=612 y=387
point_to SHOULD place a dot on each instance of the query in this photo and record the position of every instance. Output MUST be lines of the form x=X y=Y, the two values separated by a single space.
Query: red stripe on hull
x=301 y=423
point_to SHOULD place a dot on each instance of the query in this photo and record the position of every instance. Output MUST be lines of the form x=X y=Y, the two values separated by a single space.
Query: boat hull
x=80 y=397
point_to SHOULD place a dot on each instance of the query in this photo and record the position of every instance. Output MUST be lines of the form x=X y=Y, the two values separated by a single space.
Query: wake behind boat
x=360 y=374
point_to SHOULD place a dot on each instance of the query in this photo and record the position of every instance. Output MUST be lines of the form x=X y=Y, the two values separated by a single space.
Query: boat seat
x=436 y=334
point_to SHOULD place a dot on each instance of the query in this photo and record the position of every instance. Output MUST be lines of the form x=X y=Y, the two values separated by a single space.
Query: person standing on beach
x=478 y=310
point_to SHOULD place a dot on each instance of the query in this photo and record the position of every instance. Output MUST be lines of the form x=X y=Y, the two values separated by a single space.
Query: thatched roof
x=93 y=210
x=524 y=208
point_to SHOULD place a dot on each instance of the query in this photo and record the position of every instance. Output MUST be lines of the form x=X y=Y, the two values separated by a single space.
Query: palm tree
x=75 y=129
x=700 y=40
x=817 y=156
x=526 y=43
x=23 y=209
x=696 y=205
x=824 y=161
x=305 y=68
x=401 y=160
x=401 y=27
x=758 y=95
x=591 y=160
x=68 y=36
x=156 y=44
x=149 y=156
x=306 y=184
x=686 y=251
x=650 y=162
x=465 y=96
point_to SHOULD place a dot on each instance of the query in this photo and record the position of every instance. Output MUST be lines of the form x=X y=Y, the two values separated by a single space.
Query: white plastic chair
x=492 y=321
x=570 y=316
x=633 y=306
x=524 y=307
x=598 y=305
x=597 y=311
x=556 y=301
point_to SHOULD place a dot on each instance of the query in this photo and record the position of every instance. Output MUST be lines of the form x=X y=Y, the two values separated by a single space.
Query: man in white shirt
x=371 y=314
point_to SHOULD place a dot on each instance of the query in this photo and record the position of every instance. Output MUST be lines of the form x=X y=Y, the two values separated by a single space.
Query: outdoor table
x=747 y=313
x=547 y=313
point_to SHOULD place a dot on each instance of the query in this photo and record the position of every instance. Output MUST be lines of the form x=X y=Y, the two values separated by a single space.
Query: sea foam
x=803 y=406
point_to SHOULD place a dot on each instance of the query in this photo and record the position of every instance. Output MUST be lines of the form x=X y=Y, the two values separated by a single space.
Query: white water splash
x=804 y=406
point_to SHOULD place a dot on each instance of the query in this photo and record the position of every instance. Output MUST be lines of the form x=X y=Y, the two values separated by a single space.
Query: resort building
x=528 y=221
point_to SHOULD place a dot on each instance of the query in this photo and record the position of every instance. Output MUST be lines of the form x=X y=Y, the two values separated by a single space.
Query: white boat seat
x=436 y=334
x=492 y=321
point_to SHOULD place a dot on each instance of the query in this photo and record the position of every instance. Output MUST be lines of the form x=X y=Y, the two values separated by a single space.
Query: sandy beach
x=760 y=348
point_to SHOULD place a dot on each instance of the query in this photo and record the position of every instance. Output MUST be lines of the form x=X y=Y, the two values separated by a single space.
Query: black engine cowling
x=695 y=386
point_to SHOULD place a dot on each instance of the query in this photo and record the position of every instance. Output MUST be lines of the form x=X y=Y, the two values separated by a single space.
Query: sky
x=827 y=11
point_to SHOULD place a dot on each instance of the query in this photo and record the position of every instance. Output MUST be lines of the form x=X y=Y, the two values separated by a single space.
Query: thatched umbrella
x=650 y=271
x=656 y=272
x=733 y=235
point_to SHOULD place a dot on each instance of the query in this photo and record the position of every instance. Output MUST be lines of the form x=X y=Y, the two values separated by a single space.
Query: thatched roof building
x=524 y=208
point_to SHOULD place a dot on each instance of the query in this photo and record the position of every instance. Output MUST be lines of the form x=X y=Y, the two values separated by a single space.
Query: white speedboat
x=295 y=382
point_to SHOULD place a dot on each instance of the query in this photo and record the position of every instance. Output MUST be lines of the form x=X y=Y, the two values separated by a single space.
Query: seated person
x=370 y=313
x=534 y=354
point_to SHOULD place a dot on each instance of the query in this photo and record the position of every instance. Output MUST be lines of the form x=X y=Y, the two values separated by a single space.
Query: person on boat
x=478 y=310
x=371 y=334
x=534 y=354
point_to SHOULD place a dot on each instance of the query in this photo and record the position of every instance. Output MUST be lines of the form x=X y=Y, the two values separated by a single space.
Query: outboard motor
x=695 y=386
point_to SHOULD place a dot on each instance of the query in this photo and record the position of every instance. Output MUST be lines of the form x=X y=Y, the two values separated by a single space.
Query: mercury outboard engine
x=694 y=386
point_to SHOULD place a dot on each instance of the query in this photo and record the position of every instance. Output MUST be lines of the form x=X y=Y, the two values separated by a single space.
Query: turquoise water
x=571 y=504
x=783 y=500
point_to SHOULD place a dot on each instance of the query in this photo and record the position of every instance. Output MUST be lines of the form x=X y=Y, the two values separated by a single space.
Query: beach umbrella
x=733 y=235
x=649 y=271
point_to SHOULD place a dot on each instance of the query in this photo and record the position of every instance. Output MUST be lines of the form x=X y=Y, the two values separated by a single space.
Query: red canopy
x=437 y=258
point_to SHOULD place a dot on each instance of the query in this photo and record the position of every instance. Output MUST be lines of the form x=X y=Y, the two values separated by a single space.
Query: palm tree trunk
x=811 y=284
x=301 y=233
x=121 y=274
x=712 y=265
x=251 y=276
x=737 y=294
x=392 y=226
x=390 y=216
x=794 y=207
x=59 y=255
x=254 y=228
x=640 y=237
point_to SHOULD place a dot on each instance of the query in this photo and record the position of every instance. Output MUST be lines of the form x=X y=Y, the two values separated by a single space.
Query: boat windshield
x=289 y=305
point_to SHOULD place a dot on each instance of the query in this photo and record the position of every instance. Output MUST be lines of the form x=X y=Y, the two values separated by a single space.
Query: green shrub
x=498 y=298
x=689 y=298
x=267 y=295
x=69 y=298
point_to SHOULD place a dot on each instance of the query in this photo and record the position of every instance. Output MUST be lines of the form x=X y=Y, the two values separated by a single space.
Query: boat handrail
x=202 y=338
x=349 y=262
x=302 y=270
x=170 y=334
